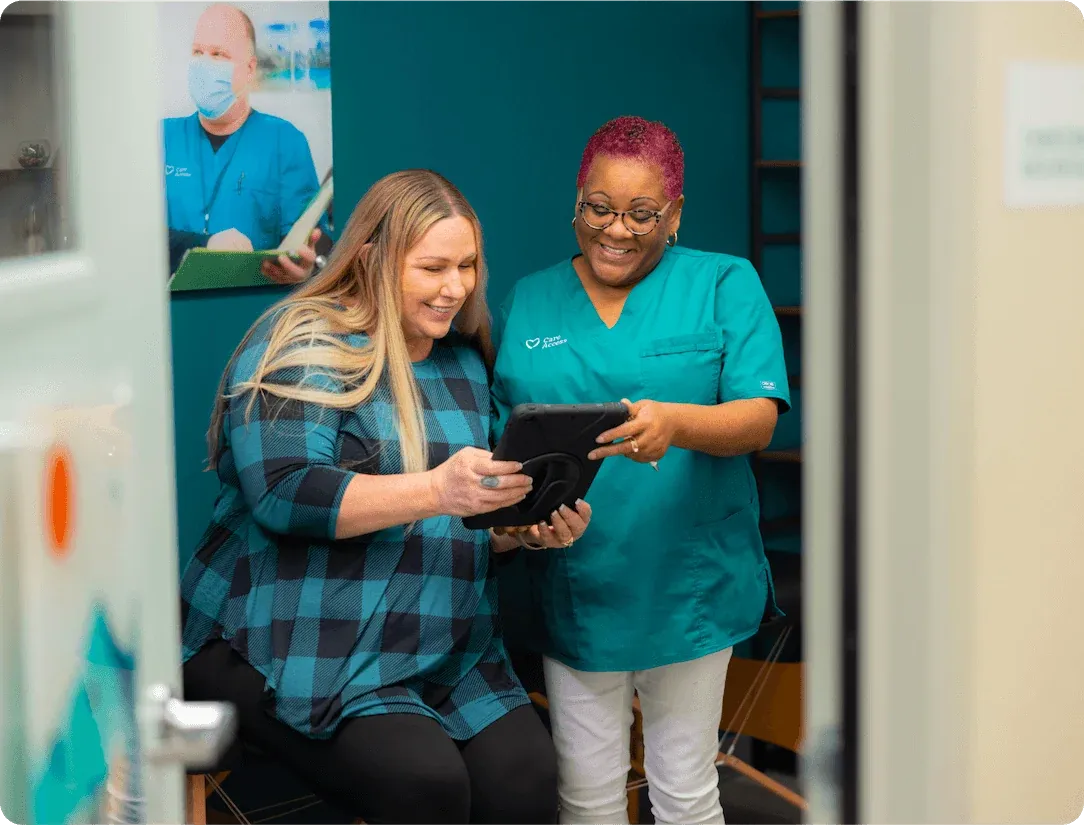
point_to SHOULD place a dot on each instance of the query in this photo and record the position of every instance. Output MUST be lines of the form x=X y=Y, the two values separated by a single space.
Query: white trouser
x=591 y=714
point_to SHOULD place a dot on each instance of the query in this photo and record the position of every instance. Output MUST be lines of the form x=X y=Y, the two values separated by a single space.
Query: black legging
x=398 y=767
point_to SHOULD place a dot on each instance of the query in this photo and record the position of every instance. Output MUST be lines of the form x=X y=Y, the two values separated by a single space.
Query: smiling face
x=439 y=273
x=615 y=256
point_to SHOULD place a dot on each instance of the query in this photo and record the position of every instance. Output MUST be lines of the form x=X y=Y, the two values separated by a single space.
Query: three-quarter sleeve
x=286 y=456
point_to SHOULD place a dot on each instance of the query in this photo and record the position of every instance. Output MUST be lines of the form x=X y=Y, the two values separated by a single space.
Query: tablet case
x=552 y=442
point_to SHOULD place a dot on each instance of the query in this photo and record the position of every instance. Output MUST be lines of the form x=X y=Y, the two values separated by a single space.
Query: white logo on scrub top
x=767 y=385
x=550 y=341
x=178 y=171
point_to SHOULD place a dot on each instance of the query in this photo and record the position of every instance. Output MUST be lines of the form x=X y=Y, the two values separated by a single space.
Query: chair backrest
x=775 y=714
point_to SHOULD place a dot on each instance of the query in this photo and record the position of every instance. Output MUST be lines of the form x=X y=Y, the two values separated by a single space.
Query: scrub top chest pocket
x=253 y=194
x=683 y=369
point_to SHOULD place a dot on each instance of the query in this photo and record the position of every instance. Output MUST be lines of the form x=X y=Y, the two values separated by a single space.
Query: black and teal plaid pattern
x=391 y=622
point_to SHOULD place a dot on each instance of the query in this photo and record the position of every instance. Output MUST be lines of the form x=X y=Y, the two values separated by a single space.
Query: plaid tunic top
x=390 y=622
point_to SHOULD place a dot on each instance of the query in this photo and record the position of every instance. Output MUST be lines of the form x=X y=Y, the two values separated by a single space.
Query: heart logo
x=169 y=170
x=533 y=342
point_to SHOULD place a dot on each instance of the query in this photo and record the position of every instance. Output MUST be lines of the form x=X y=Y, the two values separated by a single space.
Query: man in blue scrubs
x=235 y=178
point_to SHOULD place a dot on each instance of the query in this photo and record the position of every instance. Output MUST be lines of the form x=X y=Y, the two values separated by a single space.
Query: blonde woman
x=336 y=599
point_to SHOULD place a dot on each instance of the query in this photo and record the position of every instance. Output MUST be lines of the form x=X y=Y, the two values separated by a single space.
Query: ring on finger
x=491 y=482
x=635 y=446
x=569 y=542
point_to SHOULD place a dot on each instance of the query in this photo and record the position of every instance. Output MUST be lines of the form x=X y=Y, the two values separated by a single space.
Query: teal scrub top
x=672 y=566
x=258 y=182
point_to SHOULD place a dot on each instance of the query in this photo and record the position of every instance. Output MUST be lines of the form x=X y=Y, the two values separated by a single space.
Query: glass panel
x=34 y=192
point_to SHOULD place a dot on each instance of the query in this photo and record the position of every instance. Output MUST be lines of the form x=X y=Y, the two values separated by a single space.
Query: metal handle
x=195 y=734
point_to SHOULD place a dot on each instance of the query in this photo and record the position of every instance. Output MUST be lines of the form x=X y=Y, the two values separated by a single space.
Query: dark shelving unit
x=783 y=465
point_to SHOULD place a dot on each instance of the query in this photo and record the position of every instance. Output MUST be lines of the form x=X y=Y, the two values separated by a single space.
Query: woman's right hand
x=471 y=482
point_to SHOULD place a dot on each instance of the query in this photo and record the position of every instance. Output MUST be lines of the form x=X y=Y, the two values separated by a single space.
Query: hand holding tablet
x=564 y=526
x=472 y=482
x=552 y=443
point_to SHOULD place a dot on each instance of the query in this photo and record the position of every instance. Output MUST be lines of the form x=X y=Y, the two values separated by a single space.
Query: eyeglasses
x=637 y=221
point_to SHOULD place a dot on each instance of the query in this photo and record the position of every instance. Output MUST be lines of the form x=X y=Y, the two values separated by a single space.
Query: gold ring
x=635 y=446
x=568 y=543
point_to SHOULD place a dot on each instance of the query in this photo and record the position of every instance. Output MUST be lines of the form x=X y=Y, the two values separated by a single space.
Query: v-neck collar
x=634 y=302
x=220 y=158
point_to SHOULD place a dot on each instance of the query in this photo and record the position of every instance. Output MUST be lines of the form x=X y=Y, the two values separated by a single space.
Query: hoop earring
x=672 y=242
x=573 y=220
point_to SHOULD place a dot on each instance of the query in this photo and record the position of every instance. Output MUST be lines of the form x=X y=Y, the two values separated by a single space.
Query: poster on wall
x=247 y=138
x=1044 y=135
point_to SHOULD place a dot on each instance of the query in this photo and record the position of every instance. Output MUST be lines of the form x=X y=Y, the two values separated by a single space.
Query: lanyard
x=210 y=202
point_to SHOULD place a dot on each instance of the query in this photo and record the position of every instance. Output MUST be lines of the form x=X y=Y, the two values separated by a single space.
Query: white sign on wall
x=1044 y=135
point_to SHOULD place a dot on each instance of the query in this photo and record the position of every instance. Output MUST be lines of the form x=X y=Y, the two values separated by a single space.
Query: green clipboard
x=215 y=269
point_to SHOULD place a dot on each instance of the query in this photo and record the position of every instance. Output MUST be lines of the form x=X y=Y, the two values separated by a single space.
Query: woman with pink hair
x=672 y=573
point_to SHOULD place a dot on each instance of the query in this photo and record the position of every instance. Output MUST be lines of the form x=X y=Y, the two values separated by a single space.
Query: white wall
x=1028 y=513
x=972 y=385
x=971 y=361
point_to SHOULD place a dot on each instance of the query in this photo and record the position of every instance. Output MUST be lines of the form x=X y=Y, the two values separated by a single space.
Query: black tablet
x=552 y=442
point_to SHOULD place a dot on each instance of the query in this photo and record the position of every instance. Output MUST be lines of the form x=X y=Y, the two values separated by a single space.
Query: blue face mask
x=210 y=82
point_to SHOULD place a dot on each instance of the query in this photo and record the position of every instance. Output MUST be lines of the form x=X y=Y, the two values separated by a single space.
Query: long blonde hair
x=360 y=290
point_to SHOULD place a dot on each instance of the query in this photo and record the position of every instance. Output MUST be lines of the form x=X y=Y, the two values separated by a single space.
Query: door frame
x=90 y=330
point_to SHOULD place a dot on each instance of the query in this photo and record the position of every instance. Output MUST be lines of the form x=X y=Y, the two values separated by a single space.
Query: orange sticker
x=59 y=494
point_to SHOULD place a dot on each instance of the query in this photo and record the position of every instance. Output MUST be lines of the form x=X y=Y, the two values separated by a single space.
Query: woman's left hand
x=565 y=526
x=647 y=434
x=289 y=271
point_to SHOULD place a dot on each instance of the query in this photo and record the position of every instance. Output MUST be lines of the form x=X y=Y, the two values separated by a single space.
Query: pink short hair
x=644 y=140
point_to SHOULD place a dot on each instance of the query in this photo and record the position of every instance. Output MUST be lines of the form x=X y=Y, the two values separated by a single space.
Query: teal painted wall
x=206 y=327
x=500 y=98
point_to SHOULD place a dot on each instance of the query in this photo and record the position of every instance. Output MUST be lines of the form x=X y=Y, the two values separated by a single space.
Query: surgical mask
x=210 y=82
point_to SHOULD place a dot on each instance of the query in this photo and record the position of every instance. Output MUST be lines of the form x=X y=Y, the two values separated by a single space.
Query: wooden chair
x=195 y=799
x=774 y=716
x=763 y=698
x=196 y=791
x=200 y=786
x=636 y=753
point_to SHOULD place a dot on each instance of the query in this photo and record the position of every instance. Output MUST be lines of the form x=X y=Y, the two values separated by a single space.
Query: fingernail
x=580 y=502
x=591 y=456
x=599 y=440
x=564 y=508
